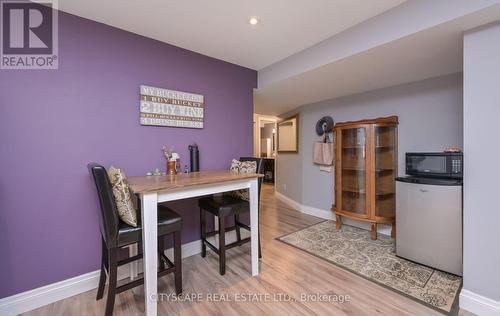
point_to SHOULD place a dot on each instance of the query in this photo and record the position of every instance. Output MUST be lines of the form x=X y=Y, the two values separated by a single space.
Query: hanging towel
x=323 y=153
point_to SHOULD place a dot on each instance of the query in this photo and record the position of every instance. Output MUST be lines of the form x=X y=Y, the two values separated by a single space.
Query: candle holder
x=171 y=167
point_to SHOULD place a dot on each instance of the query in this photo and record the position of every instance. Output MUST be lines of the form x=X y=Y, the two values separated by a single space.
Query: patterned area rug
x=351 y=248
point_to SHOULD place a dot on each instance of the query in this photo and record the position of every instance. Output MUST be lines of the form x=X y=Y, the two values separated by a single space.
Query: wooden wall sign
x=162 y=107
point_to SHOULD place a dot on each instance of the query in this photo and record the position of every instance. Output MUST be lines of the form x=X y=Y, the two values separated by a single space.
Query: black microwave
x=441 y=165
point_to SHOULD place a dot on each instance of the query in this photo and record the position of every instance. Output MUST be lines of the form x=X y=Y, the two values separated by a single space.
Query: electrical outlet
x=284 y=186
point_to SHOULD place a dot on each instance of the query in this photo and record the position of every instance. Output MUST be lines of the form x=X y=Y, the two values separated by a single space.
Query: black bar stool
x=222 y=207
x=116 y=234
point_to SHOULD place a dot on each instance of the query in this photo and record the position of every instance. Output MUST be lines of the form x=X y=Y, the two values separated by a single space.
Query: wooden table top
x=181 y=180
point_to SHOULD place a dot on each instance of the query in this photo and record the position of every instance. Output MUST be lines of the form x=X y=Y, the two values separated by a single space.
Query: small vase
x=171 y=167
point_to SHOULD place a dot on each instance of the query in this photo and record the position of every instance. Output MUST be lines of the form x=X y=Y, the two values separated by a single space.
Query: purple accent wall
x=53 y=122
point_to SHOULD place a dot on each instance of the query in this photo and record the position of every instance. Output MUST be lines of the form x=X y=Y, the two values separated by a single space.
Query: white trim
x=478 y=304
x=29 y=300
x=317 y=212
x=205 y=189
x=327 y=214
x=32 y=299
x=254 y=225
x=149 y=216
x=294 y=204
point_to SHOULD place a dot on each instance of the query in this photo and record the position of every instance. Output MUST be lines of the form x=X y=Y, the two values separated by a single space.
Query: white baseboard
x=292 y=203
x=32 y=299
x=478 y=304
x=29 y=300
x=328 y=214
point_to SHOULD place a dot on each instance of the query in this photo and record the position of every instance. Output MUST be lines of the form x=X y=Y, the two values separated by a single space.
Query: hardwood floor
x=286 y=273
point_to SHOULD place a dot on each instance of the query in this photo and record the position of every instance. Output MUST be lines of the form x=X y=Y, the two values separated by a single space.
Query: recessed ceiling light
x=254 y=20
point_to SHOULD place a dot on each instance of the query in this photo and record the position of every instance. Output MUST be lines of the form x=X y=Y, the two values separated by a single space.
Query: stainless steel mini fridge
x=429 y=222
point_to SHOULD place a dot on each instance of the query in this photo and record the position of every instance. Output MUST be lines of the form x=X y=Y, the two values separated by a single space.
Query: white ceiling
x=433 y=52
x=410 y=59
x=220 y=28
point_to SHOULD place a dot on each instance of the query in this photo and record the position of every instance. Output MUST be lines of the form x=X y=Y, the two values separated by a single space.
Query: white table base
x=149 y=216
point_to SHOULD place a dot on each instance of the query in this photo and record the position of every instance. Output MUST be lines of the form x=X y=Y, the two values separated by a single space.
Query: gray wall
x=430 y=116
x=289 y=174
x=481 y=207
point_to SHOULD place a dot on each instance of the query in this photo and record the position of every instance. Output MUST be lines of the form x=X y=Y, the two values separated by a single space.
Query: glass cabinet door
x=385 y=170
x=353 y=163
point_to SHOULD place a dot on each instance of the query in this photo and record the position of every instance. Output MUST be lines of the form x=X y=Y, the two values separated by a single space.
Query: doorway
x=265 y=144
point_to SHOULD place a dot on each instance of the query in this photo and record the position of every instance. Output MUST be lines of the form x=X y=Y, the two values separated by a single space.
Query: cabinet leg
x=374 y=231
x=338 y=221
x=393 y=230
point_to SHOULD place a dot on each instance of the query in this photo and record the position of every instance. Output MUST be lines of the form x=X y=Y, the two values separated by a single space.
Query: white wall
x=430 y=115
x=482 y=156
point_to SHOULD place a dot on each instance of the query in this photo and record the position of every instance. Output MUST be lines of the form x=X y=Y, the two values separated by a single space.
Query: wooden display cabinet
x=365 y=172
